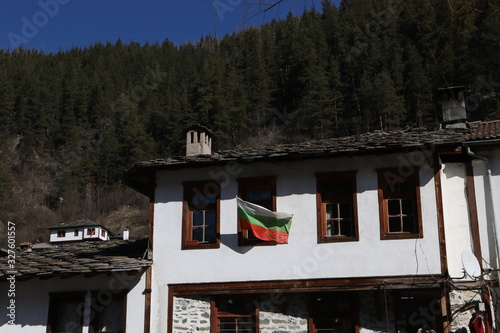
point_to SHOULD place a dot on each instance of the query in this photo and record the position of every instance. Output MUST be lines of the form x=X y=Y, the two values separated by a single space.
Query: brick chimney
x=453 y=107
x=198 y=140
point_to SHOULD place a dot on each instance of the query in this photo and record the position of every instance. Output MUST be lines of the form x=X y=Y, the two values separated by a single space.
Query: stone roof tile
x=78 y=258
x=484 y=130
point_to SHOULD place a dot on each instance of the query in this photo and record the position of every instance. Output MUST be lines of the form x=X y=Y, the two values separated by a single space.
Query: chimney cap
x=198 y=128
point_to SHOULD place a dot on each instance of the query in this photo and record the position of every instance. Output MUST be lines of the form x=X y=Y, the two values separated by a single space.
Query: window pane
x=335 y=228
x=235 y=324
x=409 y=224
x=197 y=218
x=199 y=201
x=227 y=325
x=394 y=207
x=329 y=229
x=265 y=195
x=198 y=234
x=345 y=210
x=407 y=205
x=211 y=198
x=210 y=217
x=346 y=228
x=210 y=234
x=331 y=211
x=395 y=224
x=252 y=196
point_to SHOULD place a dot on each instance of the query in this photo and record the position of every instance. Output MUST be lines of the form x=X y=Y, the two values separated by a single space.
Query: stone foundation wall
x=278 y=313
x=284 y=313
x=462 y=307
x=281 y=313
x=191 y=314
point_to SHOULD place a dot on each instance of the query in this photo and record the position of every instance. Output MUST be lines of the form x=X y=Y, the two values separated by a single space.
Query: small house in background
x=77 y=231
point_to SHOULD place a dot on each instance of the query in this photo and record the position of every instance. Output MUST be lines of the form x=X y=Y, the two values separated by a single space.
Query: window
x=75 y=233
x=260 y=191
x=399 y=204
x=234 y=314
x=61 y=233
x=103 y=233
x=336 y=207
x=331 y=313
x=66 y=312
x=109 y=314
x=201 y=215
x=90 y=231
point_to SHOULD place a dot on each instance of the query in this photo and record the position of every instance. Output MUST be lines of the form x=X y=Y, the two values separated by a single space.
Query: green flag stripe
x=265 y=221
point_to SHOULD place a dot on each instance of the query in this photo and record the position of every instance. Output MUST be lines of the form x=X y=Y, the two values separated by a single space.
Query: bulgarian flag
x=265 y=224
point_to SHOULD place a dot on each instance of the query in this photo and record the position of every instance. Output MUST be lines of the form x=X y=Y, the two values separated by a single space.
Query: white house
x=78 y=230
x=76 y=287
x=382 y=222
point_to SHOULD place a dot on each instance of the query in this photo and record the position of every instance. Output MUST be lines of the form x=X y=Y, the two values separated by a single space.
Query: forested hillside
x=72 y=122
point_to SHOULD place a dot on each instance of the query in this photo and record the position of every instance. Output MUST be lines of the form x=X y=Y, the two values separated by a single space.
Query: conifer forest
x=72 y=122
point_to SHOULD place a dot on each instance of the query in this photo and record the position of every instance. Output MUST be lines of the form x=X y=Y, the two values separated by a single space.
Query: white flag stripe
x=261 y=211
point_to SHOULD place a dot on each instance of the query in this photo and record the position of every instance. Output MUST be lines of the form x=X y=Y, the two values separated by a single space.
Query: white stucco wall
x=456 y=212
x=488 y=208
x=302 y=257
x=32 y=299
x=456 y=216
x=494 y=213
x=82 y=234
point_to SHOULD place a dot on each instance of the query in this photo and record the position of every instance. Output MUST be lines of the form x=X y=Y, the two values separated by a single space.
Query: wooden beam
x=440 y=215
x=151 y=227
x=293 y=286
x=170 y=310
x=445 y=310
x=488 y=322
x=147 y=301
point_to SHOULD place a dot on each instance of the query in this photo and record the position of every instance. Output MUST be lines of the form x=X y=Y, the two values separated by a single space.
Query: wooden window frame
x=187 y=221
x=61 y=233
x=393 y=174
x=255 y=183
x=90 y=231
x=323 y=180
x=76 y=232
x=54 y=302
x=216 y=313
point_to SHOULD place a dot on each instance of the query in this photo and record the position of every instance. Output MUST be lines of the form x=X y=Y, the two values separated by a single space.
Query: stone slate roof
x=366 y=143
x=78 y=258
x=141 y=176
x=484 y=130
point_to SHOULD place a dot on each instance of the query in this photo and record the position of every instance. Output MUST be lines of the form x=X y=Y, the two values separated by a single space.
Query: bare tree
x=260 y=7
